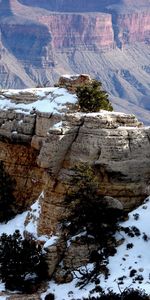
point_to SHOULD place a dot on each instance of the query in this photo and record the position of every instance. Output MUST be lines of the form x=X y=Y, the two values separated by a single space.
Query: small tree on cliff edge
x=92 y=98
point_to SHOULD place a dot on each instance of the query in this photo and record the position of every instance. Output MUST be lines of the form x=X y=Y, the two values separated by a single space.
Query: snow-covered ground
x=132 y=257
x=52 y=100
x=120 y=265
x=49 y=100
x=3 y=298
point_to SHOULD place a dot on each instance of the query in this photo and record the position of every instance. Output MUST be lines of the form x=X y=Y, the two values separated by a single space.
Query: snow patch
x=121 y=264
x=51 y=241
x=3 y=297
x=58 y=125
x=16 y=223
x=48 y=100
x=33 y=217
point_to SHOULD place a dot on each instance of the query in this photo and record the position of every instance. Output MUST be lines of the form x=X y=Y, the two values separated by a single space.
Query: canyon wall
x=107 y=39
x=19 y=158
x=80 y=30
x=39 y=155
x=134 y=27
x=39 y=149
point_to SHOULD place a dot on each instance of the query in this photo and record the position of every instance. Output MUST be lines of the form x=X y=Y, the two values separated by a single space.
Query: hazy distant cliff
x=108 y=39
x=89 y=31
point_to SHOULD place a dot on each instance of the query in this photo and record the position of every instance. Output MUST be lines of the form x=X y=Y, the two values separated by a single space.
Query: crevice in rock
x=67 y=151
x=98 y=155
x=34 y=126
x=148 y=136
x=129 y=142
x=75 y=138
x=115 y=28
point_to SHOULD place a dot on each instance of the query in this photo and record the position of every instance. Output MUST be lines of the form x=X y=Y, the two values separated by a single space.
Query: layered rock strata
x=91 y=31
x=113 y=143
x=133 y=27
x=39 y=149
x=108 y=39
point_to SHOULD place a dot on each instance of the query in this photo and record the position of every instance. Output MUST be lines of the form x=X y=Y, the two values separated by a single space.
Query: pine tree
x=127 y=294
x=92 y=98
x=88 y=208
x=20 y=261
x=90 y=214
x=7 y=199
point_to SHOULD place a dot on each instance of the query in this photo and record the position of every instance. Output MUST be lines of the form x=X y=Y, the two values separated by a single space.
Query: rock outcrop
x=116 y=144
x=39 y=150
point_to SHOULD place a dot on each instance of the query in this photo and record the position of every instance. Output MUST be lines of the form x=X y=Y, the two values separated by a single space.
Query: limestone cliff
x=133 y=27
x=89 y=31
x=40 y=148
x=42 y=136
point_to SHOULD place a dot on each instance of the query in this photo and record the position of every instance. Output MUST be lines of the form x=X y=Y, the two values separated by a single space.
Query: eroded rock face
x=79 y=30
x=40 y=149
x=131 y=27
x=40 y=155
x=117 y=145
x=20 y=163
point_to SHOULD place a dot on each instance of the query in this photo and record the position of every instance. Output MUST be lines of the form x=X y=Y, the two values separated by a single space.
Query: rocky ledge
x=42 y=136
x=40 y=132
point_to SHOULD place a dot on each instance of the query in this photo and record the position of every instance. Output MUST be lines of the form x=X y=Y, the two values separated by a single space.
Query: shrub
x=92 y=98
x=7 y=200
x=134 y=295
x=125 y=295
x=90 y=214
x=49 y=297
x=88 y=209
x=22 y=263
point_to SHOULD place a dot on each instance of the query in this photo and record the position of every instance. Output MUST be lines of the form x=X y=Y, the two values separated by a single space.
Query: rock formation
x=111 y=43
x=40 y=148
x=90 y=31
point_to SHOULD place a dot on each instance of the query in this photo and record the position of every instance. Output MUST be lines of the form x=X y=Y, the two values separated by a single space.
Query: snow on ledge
x=73 y=76
x=49 y=100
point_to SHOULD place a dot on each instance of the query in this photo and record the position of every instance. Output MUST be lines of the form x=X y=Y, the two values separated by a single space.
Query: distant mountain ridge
x=85 y=5
x=40 y=40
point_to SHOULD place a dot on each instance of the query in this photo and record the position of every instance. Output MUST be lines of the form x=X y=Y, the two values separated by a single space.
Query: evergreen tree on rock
x=92 y=98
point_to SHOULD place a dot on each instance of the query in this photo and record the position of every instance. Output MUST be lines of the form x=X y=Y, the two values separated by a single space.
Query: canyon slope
x=40 y=40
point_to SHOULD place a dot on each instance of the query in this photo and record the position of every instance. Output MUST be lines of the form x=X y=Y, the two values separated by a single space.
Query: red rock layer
x=134 y=27
x=76 y=30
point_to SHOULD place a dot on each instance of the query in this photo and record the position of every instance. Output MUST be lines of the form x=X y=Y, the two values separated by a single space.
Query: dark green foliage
x=90 y=214
x=125 y=295
x=89 y=210
x=92 y=98
x=134 y=295
x=145 y=237
x=50 y=297
x=21 y=262
x=7 y=200
x=131 y=231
